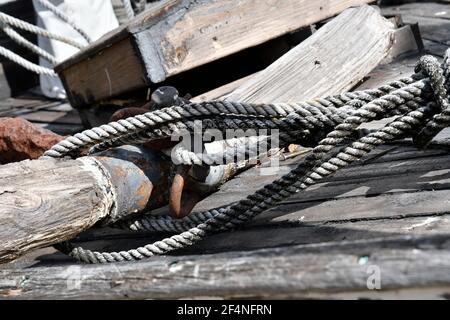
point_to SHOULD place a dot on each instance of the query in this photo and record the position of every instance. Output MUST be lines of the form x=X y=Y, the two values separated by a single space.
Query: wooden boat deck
x=386 y=216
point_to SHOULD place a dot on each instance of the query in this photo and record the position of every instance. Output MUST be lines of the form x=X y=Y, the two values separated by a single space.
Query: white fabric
x=95 y=17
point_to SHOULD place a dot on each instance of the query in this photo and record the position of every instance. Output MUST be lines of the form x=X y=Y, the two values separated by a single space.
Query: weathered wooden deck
x=388 y=215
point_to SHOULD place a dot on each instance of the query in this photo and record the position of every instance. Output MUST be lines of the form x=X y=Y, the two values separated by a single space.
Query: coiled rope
x=420 y=104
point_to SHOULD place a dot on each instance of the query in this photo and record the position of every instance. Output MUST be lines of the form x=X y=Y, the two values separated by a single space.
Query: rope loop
x=419 y=103
x=436 y=73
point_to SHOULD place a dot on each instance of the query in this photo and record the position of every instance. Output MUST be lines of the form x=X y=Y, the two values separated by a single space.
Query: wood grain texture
x=380 y=188
x=43 y=202
x=96 y=79
x=178 y=35
x=296 y=271
x=57 y=116
x=215 y=29
x=363 y=37
x=406 y=41
x=322 y=246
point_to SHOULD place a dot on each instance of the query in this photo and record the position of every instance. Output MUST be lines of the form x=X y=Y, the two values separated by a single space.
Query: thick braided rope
x=301 y=119
x=7 y=21
x=439 y=82
x=238 y=115
x=321 y=163
x=167 y=224
x=263 y=199
x=10 y=32
x=371 y=111
x=166 y=122
x=25 y=63
x=23 y=25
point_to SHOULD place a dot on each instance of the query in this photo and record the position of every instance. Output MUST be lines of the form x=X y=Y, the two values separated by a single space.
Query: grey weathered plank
x=364 y=38
x=408 y=45
x=435 y=48
x=55 y=117
x=401 y=67
x=295 y=271
x=276 y=77
x=388 y=174
x=281 y=234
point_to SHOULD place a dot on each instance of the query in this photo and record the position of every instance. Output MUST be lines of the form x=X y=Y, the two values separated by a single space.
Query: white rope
x=61 y=15
x=23 y=25
x=6 y=24
x=27 y=44
x=25 y=63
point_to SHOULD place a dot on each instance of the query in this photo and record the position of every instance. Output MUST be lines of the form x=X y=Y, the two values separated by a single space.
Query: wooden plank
x=280 y=234
x=382 y=74
x=372 y=42
x=434 y=29
x=295 y=271
x=56 y=116
x=178 y=35
x=407 y=40
x=435 y=48
x=389 y=174
x=394 y=65
x=53 y=117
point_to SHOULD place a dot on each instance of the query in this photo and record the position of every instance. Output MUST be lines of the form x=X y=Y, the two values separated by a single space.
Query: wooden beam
x=39 y=207
x=43 y=202
x=178 y=35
